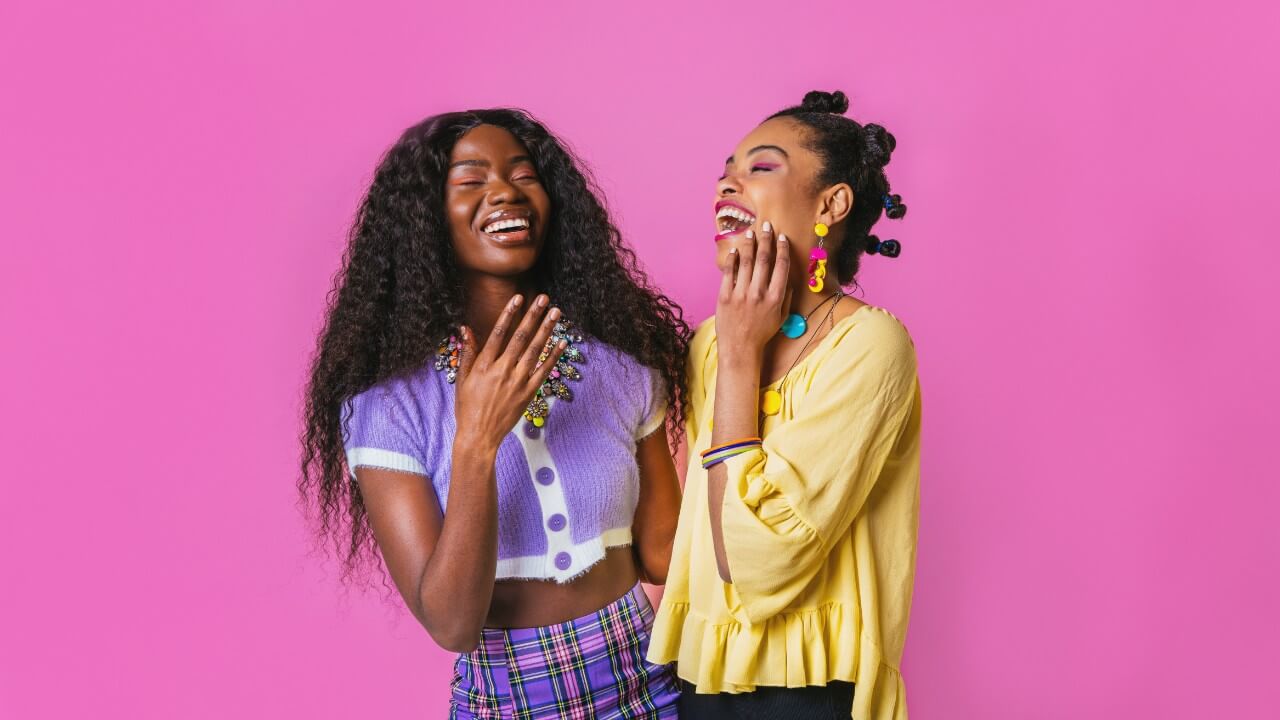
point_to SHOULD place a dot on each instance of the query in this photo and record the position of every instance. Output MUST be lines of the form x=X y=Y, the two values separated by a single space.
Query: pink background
x=1091 y=229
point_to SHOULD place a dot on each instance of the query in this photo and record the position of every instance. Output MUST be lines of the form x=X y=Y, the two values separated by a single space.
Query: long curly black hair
x=399 y=291
x=854 y=154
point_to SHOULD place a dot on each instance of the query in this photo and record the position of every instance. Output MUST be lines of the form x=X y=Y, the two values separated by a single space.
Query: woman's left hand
x=754 y=294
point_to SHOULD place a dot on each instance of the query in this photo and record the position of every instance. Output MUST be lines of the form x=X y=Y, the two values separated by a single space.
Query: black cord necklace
x=771 y=400
x=796 y=325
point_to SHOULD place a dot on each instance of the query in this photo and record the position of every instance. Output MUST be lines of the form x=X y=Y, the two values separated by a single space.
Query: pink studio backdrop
x=1083 y=273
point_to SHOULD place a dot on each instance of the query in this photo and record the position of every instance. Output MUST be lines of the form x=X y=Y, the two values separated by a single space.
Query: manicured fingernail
x=782 y=238
x=554 y=313
x=517 y=300
x=751 y=234
x=766 y=227
x=542 y=300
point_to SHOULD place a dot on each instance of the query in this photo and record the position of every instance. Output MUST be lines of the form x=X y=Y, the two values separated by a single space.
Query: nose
x=503 y=192
x=728 y=185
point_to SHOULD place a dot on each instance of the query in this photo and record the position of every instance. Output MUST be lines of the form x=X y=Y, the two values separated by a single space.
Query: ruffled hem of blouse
x=793 y=649
x=887 y=701
x=813 y=646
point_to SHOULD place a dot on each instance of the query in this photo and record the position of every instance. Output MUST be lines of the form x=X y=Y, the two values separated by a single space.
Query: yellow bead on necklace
x=771 y=402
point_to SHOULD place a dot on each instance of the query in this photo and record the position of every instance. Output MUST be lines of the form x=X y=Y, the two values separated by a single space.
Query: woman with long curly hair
x=487 y=408
x=790 y=581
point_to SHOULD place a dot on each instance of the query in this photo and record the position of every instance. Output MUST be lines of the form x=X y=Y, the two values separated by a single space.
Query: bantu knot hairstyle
x=893 y=207
x=887 y=248
x=855 y=154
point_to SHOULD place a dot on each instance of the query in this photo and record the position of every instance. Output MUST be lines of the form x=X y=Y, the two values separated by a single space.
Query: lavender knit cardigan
x=566 y=491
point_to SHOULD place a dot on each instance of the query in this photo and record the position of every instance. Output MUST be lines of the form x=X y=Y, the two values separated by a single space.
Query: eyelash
x=465 y=183
x=762 y=168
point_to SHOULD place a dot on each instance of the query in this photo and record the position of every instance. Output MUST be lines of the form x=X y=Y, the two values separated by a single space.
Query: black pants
x=820 y=702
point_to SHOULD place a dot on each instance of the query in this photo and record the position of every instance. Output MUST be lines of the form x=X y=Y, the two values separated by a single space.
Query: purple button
x=556 y=522
x=531 y=431
x=563 y=561
x=546 y=475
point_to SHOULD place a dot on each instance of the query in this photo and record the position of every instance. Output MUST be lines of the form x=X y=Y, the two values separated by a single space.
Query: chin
x=510 y=264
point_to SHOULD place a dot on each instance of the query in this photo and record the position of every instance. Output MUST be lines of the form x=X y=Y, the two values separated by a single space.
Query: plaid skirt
x=592 y=668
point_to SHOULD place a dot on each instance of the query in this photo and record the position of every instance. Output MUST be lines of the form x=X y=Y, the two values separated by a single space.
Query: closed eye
x=763 y=167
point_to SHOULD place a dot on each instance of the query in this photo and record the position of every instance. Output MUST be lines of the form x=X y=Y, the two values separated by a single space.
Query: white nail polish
x=751 y=234
x=766 y=227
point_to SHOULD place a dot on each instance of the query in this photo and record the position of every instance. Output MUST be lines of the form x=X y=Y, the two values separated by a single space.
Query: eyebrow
x=760 y=148
x=485 y=163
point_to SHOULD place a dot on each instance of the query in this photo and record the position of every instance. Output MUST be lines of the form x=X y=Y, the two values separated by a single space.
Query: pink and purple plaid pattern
x=592 y=668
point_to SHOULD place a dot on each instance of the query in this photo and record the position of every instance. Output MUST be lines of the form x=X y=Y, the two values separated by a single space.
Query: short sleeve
x=655 y=403
x=787 y=502
x=378 y=433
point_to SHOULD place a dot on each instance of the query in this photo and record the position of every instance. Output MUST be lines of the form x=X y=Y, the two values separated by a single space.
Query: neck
x=804 y=301
x=487 y=296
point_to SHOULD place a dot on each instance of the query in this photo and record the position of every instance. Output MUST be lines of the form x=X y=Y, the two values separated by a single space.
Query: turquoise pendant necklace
x=796 y=325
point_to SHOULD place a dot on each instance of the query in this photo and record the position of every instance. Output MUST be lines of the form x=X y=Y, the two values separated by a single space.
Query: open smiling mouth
x=731 y=220
x=508 y=229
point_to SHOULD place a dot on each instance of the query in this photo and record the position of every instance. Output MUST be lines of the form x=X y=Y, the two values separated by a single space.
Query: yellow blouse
x=819 y=527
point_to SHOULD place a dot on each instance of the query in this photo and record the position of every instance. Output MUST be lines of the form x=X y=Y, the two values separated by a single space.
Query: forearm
x=736 y=417
x=456 y=587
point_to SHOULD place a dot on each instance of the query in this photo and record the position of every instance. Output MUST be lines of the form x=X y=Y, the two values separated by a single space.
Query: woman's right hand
x=754 y=295
x=495 y=385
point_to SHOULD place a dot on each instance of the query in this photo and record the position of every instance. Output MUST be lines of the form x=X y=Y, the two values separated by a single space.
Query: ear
x=835 y=203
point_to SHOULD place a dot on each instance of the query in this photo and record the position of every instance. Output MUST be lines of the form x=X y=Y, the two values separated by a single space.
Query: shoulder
x=398 y=394
x=603 y=357
x=705 y=332
x=876 y=323
x=871 y=336
x=703 y=342
x=701 y=358
x=611 y=365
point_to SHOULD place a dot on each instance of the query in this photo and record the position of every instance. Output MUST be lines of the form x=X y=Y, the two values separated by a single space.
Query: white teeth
x=512 y=224
x=733 y=212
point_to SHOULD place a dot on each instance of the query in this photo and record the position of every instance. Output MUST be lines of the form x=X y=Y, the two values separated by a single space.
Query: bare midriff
x=535 y=603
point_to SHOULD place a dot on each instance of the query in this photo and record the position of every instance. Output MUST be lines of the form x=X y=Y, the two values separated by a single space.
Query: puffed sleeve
x=654 y=403
x=378 y=432
x=788 y=501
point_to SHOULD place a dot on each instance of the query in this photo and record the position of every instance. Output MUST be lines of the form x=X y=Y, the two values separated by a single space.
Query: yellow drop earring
x=818 y=260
